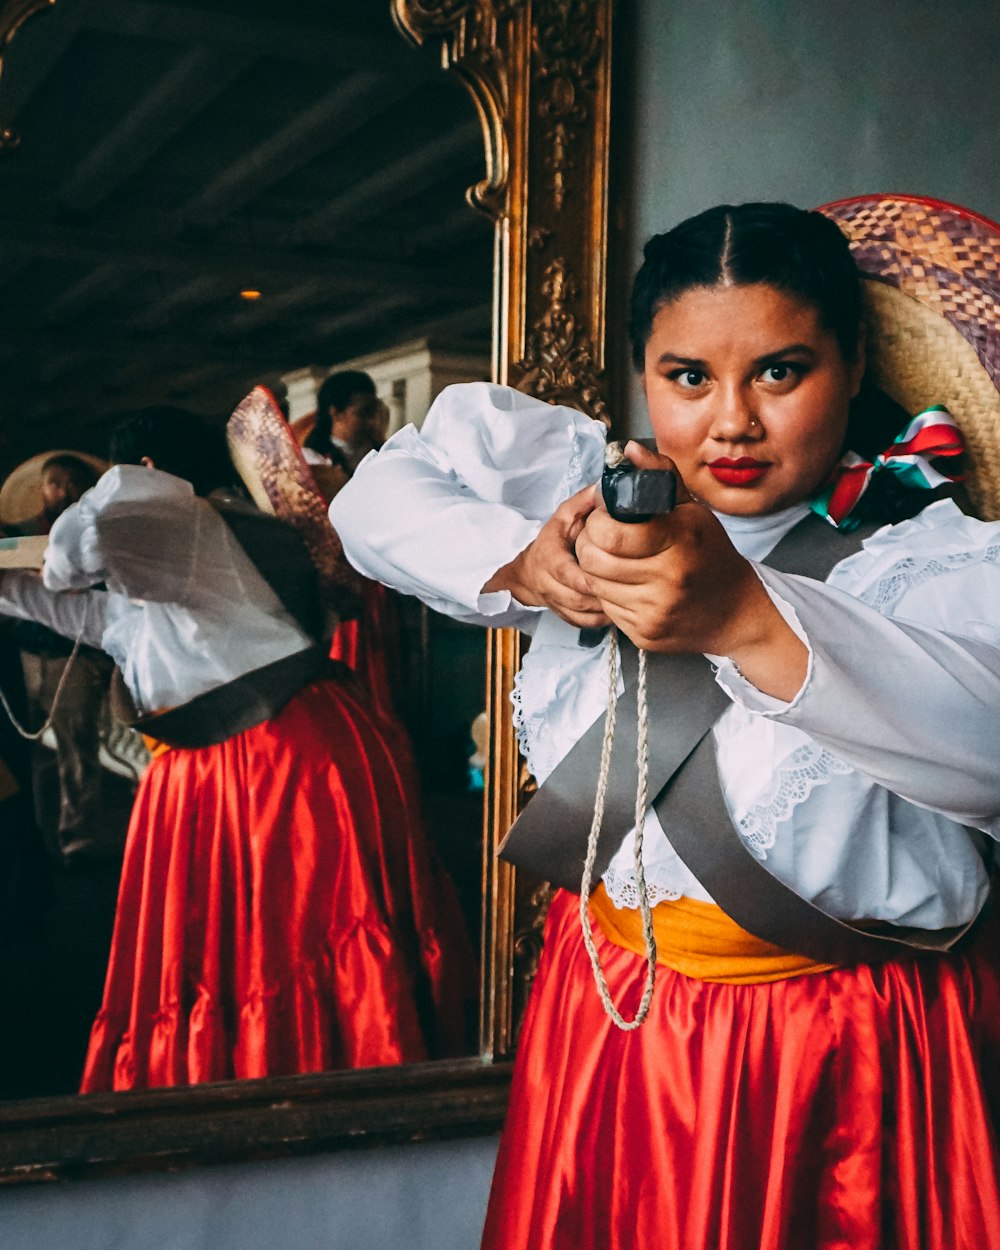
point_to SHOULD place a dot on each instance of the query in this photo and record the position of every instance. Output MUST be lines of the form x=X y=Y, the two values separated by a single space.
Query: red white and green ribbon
x=931 y=434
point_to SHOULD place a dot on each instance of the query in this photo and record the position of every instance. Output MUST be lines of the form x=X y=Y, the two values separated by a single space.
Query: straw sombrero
x=270 y=462
x=21 y=493
x=932 y=295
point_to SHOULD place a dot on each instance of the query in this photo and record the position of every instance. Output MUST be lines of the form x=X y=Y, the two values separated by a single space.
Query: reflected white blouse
x=185 y=609
x=901 y=700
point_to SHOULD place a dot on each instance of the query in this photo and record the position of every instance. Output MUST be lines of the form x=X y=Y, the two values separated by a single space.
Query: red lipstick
x=738 y=471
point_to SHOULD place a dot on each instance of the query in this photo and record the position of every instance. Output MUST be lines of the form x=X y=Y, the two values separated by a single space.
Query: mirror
x=278 y=211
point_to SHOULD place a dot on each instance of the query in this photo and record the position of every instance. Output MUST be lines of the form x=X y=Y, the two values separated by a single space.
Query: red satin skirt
x=369 y=645
x=279 y=912
x=849 y=1110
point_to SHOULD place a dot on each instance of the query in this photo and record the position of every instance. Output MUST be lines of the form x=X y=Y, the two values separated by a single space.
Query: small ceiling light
x=248 y=293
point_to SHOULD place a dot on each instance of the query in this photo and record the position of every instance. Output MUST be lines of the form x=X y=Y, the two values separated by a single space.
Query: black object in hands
x=631 y=495
x=635 y=495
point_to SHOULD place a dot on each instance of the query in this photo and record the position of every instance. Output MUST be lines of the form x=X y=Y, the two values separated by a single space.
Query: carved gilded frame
x=539 y=72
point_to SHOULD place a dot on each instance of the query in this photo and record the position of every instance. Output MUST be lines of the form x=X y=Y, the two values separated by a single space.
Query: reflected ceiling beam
x=242 y=264
x=354 y=319
x=90 y=289
x=185 y=90
x=286 y=37
x=11 y=268
x=32 y=57
x=460 y=227
x=463 y=222
x=187 y=295
x=473 y=324
x=256 y=316
x=53 y=344
x=464 y=324
x=316 y=130
x=407 y=175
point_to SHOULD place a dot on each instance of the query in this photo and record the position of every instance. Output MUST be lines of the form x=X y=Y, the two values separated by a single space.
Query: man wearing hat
x=51 y=484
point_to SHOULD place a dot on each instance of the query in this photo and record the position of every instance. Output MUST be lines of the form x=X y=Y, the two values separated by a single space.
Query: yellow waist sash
x=699 y=940
x=155 y=747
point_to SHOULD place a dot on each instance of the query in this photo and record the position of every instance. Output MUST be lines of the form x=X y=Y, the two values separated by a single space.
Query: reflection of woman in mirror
x=278 y=911
x=349 y=422
x=775 y=1097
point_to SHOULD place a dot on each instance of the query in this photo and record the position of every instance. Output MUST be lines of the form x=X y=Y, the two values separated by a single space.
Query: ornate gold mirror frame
x=539 y=72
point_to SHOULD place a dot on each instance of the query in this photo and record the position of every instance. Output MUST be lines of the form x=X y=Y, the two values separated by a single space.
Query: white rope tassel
x=642 y=767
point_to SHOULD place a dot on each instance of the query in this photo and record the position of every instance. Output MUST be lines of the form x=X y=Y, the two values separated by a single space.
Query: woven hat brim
x=270 y=462
x=932 y=295
x=21 y=493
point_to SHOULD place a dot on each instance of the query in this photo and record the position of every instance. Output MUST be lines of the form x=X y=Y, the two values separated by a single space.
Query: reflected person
x=76 y=715
x=277 y=910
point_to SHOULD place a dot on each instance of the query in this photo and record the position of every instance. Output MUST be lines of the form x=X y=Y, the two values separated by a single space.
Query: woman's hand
x=546 y=573
x=677 y=584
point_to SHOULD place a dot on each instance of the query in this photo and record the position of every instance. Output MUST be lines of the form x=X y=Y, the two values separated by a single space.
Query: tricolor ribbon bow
x=930 y=434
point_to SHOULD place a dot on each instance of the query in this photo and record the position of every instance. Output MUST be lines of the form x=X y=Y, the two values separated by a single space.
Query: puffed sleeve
x=903 y=679
x=435 y=513
x=136 y=529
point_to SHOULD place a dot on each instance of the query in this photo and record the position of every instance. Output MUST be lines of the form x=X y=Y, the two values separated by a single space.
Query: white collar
x=754 y=536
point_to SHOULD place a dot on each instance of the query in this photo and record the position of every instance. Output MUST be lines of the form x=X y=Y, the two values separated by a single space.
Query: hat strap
x=931 y=433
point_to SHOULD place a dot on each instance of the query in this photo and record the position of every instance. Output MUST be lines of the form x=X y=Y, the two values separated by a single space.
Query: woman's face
x=748 y=394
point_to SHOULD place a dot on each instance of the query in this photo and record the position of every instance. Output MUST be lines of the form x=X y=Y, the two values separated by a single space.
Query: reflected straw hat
x=21 y=493
x=931 y=286
x=270 y=461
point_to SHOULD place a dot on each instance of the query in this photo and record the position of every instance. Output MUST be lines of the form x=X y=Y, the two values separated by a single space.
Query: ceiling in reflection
x=177 y=152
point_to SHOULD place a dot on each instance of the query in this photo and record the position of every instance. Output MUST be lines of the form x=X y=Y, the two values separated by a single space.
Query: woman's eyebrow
x=690 y=362
x=793 y=349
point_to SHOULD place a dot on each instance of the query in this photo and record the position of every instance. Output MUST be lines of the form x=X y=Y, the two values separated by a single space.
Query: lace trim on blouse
x=527 y=728
x=809 y=766
x=913 y=571
x=623 y=891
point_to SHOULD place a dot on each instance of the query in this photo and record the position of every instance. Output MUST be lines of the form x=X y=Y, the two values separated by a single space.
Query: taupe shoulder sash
x=549 y=837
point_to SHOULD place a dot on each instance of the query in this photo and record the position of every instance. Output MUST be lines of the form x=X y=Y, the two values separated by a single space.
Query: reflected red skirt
x=279 y=912
x=849 y=1110
x=369 y=645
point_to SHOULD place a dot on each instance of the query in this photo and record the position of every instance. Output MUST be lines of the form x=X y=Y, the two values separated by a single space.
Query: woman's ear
x=147 y=462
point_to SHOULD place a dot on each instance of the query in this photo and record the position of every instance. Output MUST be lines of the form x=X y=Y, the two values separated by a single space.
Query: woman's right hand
x=546 y=573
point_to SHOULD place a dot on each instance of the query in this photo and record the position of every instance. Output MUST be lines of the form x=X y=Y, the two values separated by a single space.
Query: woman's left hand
x=676 y=583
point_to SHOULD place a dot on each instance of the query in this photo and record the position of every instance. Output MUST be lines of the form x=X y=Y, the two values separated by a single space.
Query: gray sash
x=549 y=837
x=226 y=710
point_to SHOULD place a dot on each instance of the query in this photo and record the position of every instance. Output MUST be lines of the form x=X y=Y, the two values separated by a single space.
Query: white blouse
x=901 y=700
x=185 y=609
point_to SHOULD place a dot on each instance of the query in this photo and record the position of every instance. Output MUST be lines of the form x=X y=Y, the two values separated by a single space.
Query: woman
x=278 y=911
x=771 y=1098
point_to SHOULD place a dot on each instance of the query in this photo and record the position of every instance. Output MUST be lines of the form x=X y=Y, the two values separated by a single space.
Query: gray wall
x=810 y=101
x=427 y=1197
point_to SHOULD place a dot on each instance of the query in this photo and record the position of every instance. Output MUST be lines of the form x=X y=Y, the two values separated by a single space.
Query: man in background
x=76 y=714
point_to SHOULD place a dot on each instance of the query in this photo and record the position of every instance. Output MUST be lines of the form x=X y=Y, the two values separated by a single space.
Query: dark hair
x=82 y=474
x=339 y=389
x=177 y=441
x=778 y=245
x=336 y=391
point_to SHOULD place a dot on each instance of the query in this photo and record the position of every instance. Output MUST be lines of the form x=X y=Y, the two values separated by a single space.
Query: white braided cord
x=641 y=802
x=63 y=676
